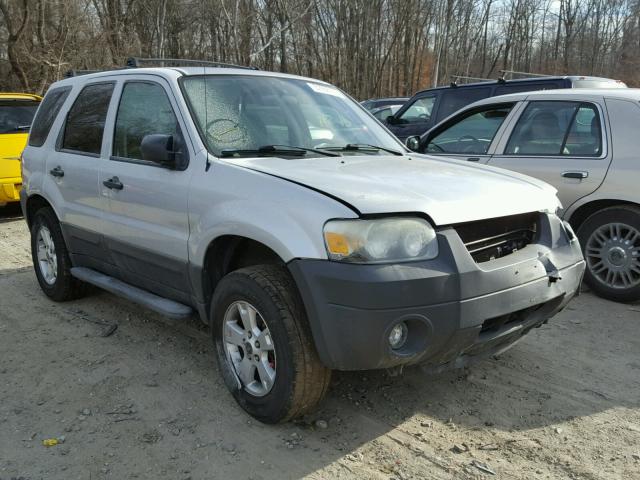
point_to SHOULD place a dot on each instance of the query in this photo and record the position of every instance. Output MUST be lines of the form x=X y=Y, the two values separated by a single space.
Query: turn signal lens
x=337 y=244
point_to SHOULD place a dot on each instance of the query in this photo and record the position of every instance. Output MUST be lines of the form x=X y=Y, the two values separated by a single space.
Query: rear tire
x=610 y=240
x=51 y=260
x=282 y=378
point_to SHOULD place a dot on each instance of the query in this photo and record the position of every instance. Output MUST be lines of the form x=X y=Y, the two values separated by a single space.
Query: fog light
x=398 y=335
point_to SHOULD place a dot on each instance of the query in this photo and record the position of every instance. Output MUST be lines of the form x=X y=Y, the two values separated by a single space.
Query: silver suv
x=584 y=143
x=297 y=226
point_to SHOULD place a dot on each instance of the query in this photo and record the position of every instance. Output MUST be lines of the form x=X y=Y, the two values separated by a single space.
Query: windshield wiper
x=19 y=128
x=364 y=147
x=275 y=149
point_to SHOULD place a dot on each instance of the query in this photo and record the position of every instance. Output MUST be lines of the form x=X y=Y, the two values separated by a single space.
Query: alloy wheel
x=46 y=254
x=613 y=255
x=249 y=348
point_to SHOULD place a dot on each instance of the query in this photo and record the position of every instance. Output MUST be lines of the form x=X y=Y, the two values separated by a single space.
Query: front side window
x=470 y=134
x=144 y=110
x=557 y=128
x=85 y=120
x=238 y=114
x=47 y=114
x=419 y=111
x=16 y=115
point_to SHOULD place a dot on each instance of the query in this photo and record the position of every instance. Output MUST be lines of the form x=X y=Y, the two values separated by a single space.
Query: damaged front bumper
x=456 y=310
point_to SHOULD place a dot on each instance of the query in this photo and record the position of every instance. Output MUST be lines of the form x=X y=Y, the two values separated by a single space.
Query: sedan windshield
x=246 y=115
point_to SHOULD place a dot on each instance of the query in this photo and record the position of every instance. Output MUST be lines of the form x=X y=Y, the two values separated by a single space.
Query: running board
x=154 y=302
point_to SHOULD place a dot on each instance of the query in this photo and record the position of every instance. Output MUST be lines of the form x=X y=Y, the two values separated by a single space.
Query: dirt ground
x=147 y=402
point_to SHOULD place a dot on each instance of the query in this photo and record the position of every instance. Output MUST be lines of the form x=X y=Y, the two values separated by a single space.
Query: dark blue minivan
x=428 y=107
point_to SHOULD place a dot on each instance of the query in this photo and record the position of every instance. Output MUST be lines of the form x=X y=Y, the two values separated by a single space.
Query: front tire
x=610 y=242
x=264 y=347
x=51 y=260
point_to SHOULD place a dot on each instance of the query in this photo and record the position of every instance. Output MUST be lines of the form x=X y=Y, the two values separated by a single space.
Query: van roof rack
x=503 y=73
x=76 y=73
x=455 y=78
x=136 y=62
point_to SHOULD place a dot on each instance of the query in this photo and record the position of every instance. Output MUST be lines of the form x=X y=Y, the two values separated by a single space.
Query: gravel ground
x=147 y=401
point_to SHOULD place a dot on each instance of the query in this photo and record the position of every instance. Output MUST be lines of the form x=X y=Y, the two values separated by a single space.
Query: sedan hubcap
x=249 y=348
x=613 y=255
x=46 y=253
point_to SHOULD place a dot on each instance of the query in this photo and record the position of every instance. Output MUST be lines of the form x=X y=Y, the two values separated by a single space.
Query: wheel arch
x=578 y=215
x=34 y=203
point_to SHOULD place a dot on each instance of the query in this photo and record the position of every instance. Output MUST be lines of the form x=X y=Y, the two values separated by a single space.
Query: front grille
x=513 y=318
x=497 y=237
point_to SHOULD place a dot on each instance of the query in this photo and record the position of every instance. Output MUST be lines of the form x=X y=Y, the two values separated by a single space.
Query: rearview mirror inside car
x=159 y=148
x=391 y=120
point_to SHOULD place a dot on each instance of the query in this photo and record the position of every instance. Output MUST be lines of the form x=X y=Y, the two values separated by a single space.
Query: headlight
x=380 y=240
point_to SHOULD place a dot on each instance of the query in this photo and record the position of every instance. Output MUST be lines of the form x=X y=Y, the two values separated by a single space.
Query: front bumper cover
x=457 y=310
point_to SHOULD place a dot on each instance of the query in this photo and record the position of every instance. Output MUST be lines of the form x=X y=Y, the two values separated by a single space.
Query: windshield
x=16 y=115
x=244 y=113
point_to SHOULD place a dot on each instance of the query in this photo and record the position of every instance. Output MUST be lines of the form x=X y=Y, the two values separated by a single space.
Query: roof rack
x=76 y=73
x=135 y=62
x=455 y=78
x=524 y=74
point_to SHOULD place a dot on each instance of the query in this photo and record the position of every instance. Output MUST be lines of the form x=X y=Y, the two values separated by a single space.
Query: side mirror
x=391 y=120
x=159 y=148
x=413 y=143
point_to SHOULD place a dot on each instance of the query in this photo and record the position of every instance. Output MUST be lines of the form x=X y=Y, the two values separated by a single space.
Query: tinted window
x=419 y=111
x=472 y=134
x=557 y=128
x=47 y=114
x=16 y=115
x=144 y=110
x=454 y=99
x=528 y=87
x=85 y=121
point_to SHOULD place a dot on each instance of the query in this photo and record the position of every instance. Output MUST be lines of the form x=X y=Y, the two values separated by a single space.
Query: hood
x=448 y=191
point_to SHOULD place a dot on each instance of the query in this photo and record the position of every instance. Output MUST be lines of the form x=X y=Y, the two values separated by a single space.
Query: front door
x=146 y=226
x=560 y=142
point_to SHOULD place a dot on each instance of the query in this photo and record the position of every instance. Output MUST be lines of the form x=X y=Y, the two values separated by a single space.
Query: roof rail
x=76 y=73
x=135 y=62
x=524 y=74
x=455 y=78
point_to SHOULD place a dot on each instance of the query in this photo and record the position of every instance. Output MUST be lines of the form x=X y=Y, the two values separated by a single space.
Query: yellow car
x=16 y=114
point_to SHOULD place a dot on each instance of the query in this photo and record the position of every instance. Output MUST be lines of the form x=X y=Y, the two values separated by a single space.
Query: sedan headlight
x=380 y=240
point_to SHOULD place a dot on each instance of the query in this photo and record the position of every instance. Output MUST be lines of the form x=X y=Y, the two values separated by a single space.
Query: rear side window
x=557 y=128
x=455 y=98
x=85 y=121
x=47 y=114
x=527 y=87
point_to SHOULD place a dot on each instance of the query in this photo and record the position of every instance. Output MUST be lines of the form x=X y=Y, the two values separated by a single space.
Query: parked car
x=374 y=103
x=428 y=107
x=16 y=113
x=381 y=113
x=204 y=189
x=583 y=142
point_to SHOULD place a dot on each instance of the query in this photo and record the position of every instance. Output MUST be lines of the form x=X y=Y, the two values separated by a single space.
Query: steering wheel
x=226 y=131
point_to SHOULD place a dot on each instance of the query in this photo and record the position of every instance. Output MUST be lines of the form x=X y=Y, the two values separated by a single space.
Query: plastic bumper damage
x=457 y=311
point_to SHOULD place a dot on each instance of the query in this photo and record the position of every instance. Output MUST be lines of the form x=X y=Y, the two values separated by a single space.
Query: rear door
x=563 y=142
x=72 y=173
x=146 y=226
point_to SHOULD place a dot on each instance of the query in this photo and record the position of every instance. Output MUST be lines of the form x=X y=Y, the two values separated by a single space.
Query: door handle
x=575 y=174
x=113 y=183
x=473 y=159
x=57 y=172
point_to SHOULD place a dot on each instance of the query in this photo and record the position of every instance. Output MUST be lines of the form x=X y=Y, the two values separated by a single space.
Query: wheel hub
x=46 y=255
x=249 y=348
x=613 y=255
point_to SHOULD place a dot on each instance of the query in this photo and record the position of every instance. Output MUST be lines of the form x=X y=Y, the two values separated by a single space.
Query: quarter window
x=557 y=128
x=85 y=121
x=472 y=134
x=419 y=111
x=46 y=115
x=144 y=110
